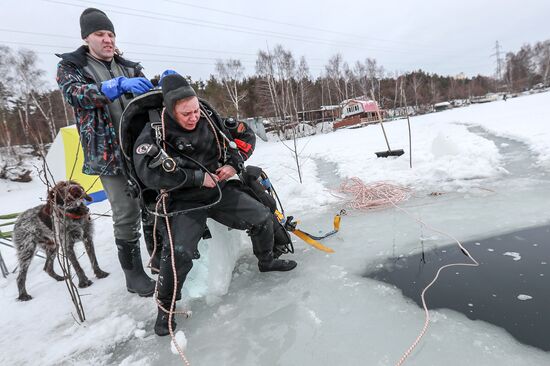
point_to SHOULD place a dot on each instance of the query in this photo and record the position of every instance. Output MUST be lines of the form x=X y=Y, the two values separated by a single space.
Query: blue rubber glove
x=114 y=88
x=136 y=86
x=111 y=88
x=166 y=73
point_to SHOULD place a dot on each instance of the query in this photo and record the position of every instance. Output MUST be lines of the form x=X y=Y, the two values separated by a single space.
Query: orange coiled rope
x=373 y=195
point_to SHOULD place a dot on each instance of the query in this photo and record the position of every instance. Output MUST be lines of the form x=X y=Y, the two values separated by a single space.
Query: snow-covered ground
x=490 y=161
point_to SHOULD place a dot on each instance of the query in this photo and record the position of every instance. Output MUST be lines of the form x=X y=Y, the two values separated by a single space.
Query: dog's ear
x=55 y=194
x=77 y=191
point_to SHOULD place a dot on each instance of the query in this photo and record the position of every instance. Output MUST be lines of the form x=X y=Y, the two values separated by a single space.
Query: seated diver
x=256 y=184
x=195 y=174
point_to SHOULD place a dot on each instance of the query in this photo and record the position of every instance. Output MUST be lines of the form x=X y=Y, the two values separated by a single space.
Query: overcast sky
x=188 y=36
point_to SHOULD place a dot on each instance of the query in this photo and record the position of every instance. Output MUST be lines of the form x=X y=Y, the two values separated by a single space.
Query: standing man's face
x=102 y=44
x=187 y=113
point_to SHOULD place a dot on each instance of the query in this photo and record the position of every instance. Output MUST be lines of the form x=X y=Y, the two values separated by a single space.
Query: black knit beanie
x=93 y=20
x=175 y=87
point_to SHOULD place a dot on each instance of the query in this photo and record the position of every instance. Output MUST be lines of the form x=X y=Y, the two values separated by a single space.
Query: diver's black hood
x=175 y=87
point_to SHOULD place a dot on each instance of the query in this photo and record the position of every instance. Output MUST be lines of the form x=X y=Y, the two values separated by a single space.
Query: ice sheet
x=324 y=312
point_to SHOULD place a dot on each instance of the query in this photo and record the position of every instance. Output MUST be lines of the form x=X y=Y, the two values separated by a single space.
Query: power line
x=147 y=60
x=129 y=43
x=135 y=53
x=233 y=28
x=194 y=22
x=162 y=46
x=312 y=67
x=17 y=43
x=134 y=43
x=290 y=24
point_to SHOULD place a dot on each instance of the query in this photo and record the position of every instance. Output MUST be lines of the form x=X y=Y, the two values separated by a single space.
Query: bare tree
x=433 y=91
x=64 y=103
x=397 y=77
x=452 y=89
x=509 y=75
x=349 y=78
x=27 y=109
x=521 y=68
x=334 y=70
x=278 y=71
x=302 y=73
x=287 y=66
x=30 y=82
x=5 y=82
x=231 y=73
x=374 y=74
x=362 y=78
x=416 y=84
x=46 y=114
x=541 y=52
x=329 y=94
x=266 y=72
x=280 y=75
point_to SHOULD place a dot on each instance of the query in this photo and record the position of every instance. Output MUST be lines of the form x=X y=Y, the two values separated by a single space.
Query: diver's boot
x=266 y=263
x=161 y=325
x=137 y=280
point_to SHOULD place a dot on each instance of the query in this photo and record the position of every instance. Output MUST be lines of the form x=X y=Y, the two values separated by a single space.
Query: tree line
x=527 y=67
x=281 y=86
x=29 y=112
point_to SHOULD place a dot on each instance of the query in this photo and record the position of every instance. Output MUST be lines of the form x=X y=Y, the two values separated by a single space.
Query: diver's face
x=187 y=113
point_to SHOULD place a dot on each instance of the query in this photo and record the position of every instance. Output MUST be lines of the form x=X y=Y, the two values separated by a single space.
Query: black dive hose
x=234 y=150
x=186 y=211
x=272 y=191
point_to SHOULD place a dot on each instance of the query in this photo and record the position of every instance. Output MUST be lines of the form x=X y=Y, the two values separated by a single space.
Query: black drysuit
x=237 y=209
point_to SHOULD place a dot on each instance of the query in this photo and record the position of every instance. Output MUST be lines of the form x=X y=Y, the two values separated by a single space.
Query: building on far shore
x=442 y=106
x=327 y=113
x=358 y=112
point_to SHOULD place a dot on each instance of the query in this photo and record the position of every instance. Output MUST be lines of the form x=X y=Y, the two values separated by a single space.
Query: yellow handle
x=312 y=242
x=337 y=222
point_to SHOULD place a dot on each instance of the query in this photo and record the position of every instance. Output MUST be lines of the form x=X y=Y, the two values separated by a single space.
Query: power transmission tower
x=499 y=61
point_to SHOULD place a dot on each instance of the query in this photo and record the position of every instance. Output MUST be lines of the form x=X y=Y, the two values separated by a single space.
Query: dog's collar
x=73 y=216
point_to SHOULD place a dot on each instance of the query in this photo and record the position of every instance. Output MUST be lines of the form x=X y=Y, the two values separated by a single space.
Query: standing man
x=98 y=84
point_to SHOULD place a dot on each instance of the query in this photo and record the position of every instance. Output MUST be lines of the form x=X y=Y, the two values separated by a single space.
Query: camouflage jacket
x=98 y=134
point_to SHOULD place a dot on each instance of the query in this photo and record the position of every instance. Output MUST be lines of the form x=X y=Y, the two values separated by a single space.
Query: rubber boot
x=161 y=325
x=166 y=284
x=137 y=280
x=266 y=263
x=262 y=243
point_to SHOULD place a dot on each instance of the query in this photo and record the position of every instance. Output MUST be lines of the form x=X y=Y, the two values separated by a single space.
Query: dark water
x=488 y=292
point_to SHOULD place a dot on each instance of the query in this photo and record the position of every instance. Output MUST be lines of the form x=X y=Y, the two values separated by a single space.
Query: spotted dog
x=66 y=211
